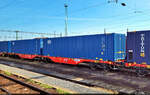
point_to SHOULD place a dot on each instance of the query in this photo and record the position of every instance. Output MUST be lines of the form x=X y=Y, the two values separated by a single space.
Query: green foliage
x=62 y=92
x=8 y=73
x=47 y=86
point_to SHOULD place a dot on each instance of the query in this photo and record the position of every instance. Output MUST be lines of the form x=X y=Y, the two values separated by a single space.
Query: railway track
x=117 y=81
x=9 y=85
x=4 y=91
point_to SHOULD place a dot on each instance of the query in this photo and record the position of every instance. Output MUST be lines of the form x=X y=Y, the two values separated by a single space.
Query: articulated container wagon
x=107 y=47
x=26 y=48
x=5 y=47
x=99 y=48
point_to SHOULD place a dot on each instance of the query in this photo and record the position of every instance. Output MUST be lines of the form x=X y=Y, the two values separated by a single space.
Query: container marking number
x=49 y=41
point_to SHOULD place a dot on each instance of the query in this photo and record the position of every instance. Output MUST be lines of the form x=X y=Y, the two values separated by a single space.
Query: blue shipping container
x=5 y=46
x=26 y=46
x=96 y=47
x=138 y=47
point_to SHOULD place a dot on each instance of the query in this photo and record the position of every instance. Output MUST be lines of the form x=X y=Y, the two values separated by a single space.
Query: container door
x=131 y=49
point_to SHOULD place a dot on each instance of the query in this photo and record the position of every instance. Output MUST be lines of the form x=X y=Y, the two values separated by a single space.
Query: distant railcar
x=26 y=48
x=138 y=47
x=5 y=47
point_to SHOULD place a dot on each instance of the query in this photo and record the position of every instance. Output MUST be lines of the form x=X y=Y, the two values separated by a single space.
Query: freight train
x=105 y=51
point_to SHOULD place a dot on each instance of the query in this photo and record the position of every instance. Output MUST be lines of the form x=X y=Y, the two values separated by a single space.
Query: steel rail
x=4 y=90
x=90 y=84
x=27 y=85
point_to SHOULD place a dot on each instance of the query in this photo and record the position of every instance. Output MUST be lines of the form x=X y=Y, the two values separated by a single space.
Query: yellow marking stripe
x=148 y=66
x=144 y=63
x=120 y=52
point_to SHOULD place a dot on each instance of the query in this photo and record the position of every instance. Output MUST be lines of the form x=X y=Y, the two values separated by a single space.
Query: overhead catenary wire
x=134 y=11
x=111 y=16
x=114 y=24
x=29 y=32
x=115 y=28
x=133 y=20
x=132 y=26
x=13 y=35
x=92 y=6
x=82 y=9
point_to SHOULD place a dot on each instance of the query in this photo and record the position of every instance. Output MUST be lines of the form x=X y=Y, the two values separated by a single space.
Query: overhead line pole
x=17 y=35
x=66 y=19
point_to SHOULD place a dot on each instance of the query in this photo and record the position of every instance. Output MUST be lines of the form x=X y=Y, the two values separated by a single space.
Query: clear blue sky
x=85 y=16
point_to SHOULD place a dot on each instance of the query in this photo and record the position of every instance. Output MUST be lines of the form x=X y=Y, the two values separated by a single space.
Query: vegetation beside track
x=47 y=86
x=35 y=83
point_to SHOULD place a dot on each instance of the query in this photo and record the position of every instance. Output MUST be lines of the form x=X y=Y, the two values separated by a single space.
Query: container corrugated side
x=138 y=47
x=26 y=46
x=4 y=46
x=96 y=47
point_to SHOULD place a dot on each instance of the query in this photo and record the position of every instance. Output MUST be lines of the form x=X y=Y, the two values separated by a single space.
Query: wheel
x=45 y=60
x=36 y=59
x=93 y=66
x=141 y=72
x=139 y=92
x=106 y=67
x=103 y=66
x=113 y=67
